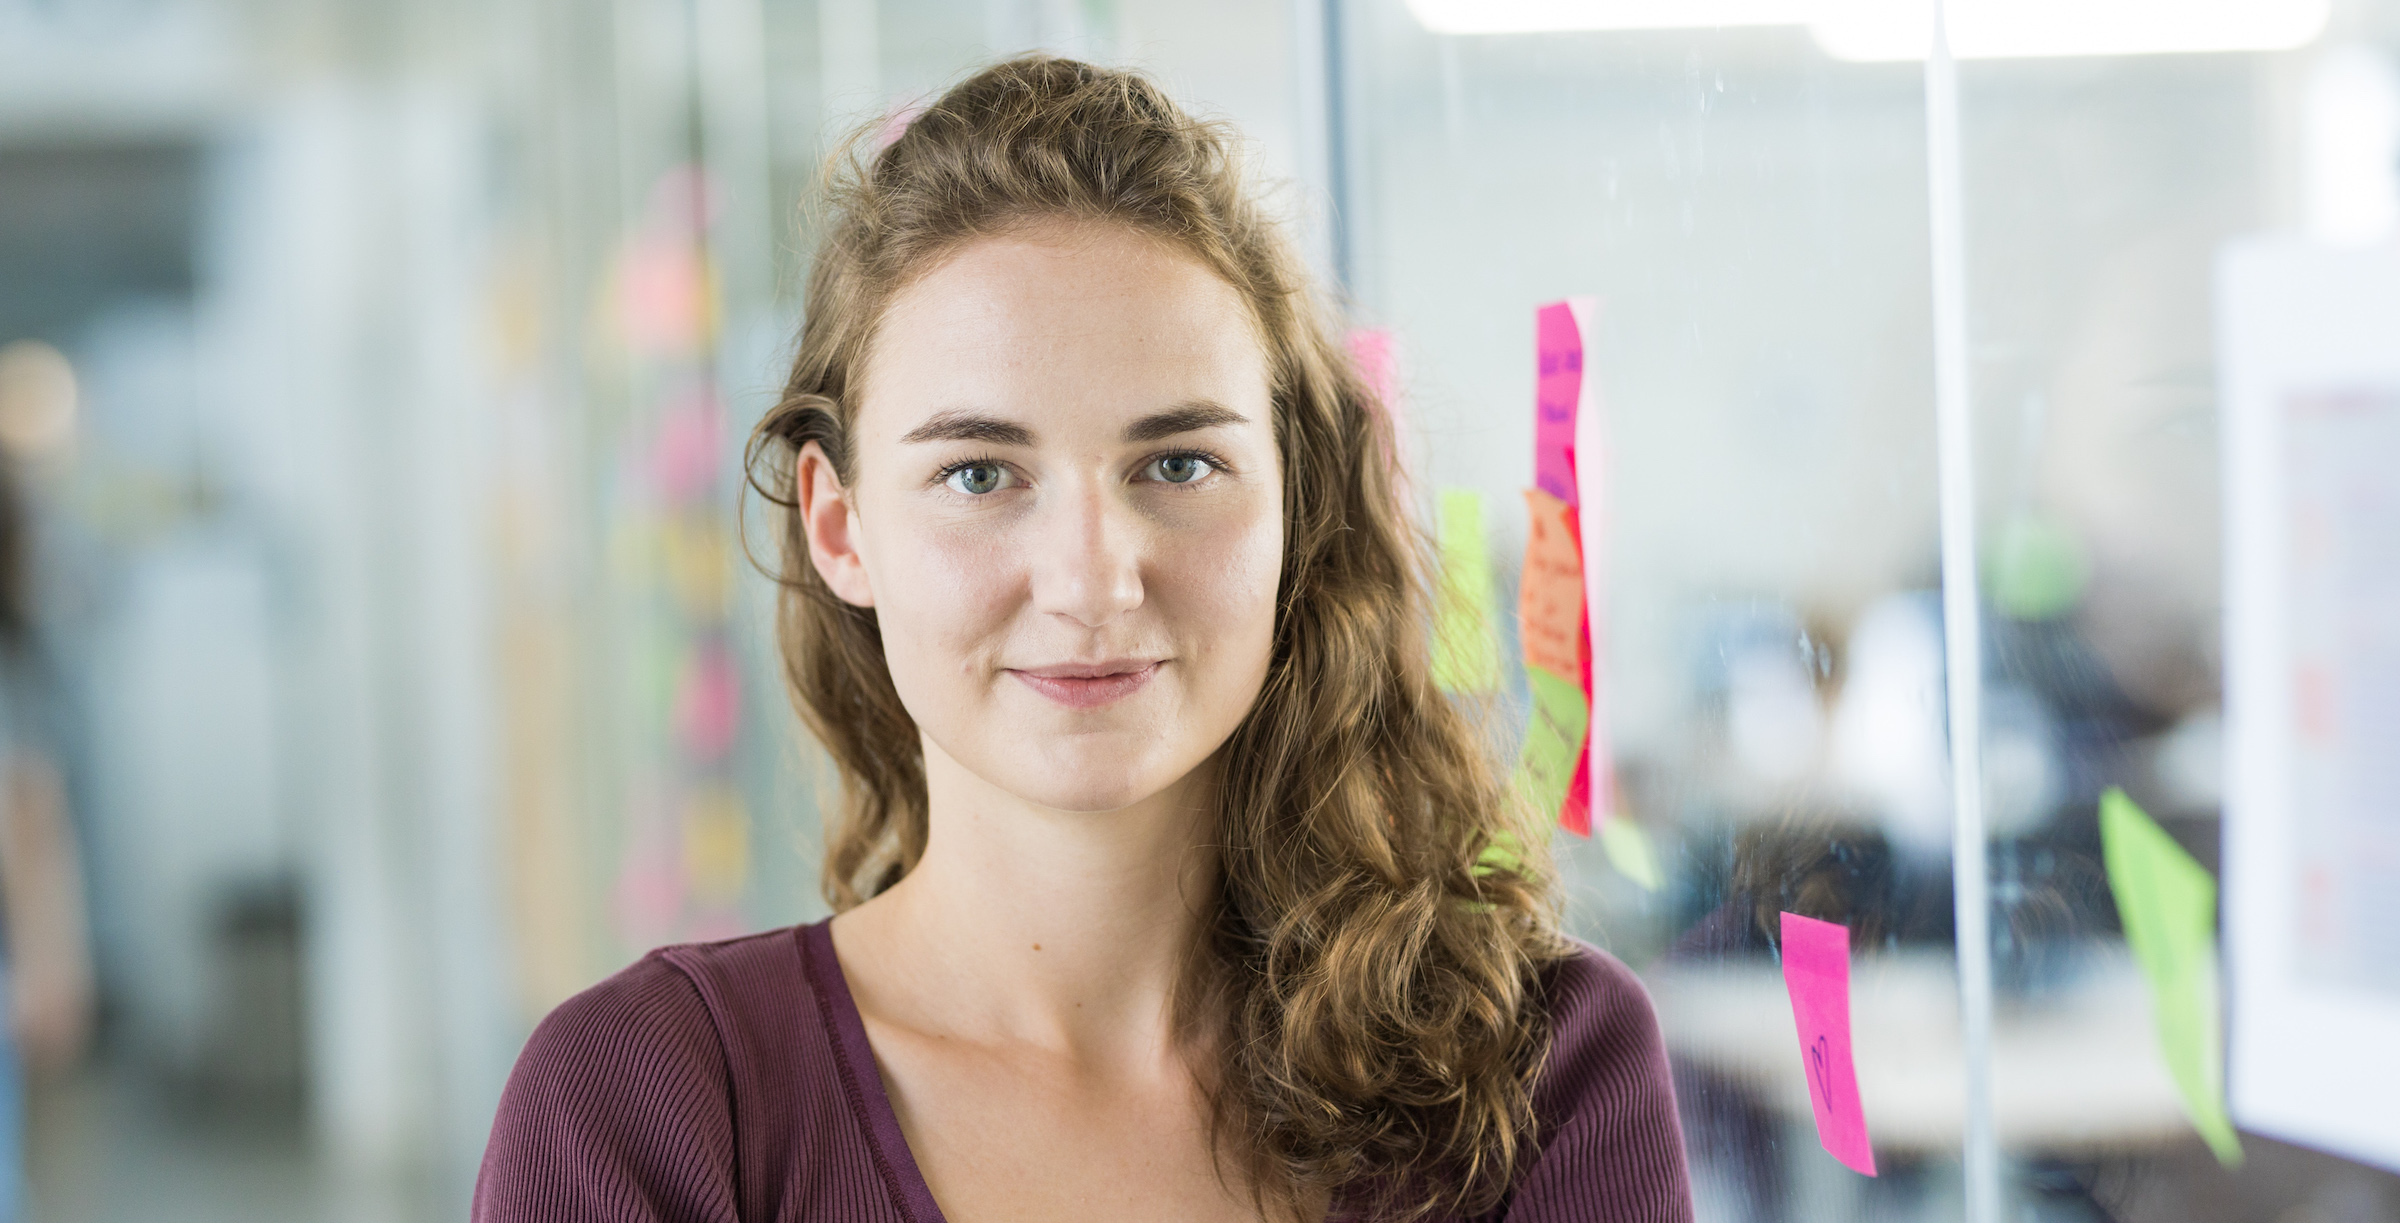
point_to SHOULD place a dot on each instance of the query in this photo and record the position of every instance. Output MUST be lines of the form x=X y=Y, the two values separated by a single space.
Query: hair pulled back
x=1369 y=991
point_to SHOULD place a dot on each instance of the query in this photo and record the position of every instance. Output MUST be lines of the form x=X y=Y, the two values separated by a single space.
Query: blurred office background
x=388 y=366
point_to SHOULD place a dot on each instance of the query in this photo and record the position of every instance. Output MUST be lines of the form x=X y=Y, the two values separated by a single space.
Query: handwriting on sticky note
x=1550 y=592
x=1816 y=973
x=1554 y=738
x=1557 y=389
x=1820 y=1069
x=2168 y=905
x=1466 y=648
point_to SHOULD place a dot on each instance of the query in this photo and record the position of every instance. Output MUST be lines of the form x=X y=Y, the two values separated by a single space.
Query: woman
x=1162 y=878
x=46 y=984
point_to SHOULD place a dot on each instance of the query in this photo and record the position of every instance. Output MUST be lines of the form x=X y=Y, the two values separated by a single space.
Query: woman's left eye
x=1179 y=468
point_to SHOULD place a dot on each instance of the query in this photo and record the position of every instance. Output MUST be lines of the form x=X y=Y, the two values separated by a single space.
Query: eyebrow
x=1182 y=418
x=970 y=427
x=977 y=427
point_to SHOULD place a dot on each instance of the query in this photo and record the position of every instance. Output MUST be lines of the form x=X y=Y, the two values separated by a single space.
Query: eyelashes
x=947 y=470
x=954 y=475
x=949 y=473
x=1214 y=463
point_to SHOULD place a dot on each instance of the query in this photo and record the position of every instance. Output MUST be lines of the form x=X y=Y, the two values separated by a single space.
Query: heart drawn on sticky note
x=1820 y=1073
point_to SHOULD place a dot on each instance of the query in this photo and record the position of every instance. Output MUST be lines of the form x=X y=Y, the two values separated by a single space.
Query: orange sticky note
x=1550 y=595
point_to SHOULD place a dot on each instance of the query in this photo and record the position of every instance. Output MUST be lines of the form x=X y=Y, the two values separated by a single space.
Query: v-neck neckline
x=862 y=1083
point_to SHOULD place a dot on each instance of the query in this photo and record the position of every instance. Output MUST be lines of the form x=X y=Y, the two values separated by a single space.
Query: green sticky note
x=1553 y=741
x=1504 y=852
x=1628 y=849
x=1466 y=643
x=2036 y=569
x=2168 y=904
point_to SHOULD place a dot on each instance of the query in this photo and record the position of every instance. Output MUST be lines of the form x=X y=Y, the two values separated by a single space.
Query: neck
x=1065 y=929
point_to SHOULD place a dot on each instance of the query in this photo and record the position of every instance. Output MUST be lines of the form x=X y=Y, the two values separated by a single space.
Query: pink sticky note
x=1597 y=778
x=685 y=458
x=1816 y=971
x=1557 y=388
x=1371 y=349
x=708 y=704
x=1575 y=811
x=1379 y=367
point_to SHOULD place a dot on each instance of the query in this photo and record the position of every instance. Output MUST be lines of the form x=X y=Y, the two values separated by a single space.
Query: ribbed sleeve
x=620 y=1110
x=709 y=1082
x=1611 y=1148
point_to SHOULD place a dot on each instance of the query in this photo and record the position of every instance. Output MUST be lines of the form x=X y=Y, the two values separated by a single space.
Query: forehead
x=1064 y=315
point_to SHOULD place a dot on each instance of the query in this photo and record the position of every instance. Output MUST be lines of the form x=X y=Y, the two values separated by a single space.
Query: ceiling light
x=1543 y=16
x=1903 y=29
x=2005 y=29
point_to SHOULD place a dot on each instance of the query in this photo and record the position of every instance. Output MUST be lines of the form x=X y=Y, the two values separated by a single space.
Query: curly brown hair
x=1369 y=981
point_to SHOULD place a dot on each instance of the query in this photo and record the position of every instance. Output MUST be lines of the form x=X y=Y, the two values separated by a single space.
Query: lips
x=1088 y=685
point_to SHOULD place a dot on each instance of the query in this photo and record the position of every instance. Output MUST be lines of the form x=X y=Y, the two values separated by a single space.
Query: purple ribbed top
x=715 y=1082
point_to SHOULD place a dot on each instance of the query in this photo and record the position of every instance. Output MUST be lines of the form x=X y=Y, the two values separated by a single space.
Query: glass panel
x=1750 y=216
x=2100 y=193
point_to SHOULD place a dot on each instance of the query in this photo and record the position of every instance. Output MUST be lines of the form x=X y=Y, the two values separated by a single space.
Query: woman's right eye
x=976 y=479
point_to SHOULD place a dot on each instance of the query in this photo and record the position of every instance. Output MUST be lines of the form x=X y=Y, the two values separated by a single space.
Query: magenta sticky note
x=1378 y=365
x=686 y=458
x=708 y=704
x=1816 y=972
x=1371 y=351
x=1557 y=389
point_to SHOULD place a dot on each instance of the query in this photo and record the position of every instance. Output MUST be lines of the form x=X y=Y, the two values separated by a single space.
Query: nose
x=1087 y=563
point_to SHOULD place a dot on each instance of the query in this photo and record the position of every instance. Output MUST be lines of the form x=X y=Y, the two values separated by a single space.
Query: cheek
x=1227 y=586
x=942 y=598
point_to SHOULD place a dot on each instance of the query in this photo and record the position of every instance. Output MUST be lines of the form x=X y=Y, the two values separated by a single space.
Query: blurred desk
x=2076 y=1066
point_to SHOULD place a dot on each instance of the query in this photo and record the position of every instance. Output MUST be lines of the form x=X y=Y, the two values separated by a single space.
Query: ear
x=831 y=521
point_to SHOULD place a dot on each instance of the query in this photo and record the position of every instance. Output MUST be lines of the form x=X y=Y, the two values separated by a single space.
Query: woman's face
x=1066 y=511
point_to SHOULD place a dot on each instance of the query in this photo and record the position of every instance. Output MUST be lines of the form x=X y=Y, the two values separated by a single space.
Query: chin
x=1089 y=777
x=1084 y=793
